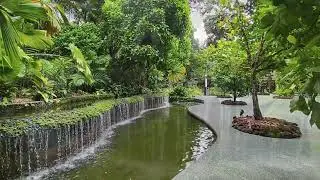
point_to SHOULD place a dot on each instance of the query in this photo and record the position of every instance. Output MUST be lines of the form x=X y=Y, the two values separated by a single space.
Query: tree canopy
x=149 y=41
x=297 y=23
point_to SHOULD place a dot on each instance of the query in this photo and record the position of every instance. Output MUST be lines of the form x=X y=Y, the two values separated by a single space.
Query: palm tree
x=18 y=19
x=13 y=12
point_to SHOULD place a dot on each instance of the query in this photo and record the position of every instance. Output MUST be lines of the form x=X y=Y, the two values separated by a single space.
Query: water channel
x=157 y=145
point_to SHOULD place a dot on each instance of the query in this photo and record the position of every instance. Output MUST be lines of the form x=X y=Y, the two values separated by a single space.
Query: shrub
x=86 y=37
x=181 y=91
x=284 y=92
x=215 y=91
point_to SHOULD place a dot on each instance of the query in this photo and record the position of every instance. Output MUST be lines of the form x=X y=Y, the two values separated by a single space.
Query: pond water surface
x=158 y=145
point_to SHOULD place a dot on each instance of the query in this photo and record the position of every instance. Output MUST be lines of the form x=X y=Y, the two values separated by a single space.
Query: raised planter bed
x=184 y=99
x=282 y=97
x=41 y=106
x=268 y=127
x=226 y=96
x=233 y=103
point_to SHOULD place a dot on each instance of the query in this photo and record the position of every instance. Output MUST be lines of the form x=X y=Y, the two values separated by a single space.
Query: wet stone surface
x=238 y=155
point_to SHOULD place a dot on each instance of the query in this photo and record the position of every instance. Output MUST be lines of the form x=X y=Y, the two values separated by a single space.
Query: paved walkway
x=236 y=155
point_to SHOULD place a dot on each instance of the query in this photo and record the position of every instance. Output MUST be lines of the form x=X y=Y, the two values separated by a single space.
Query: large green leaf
x=315 y=116
x=27 y=9
x=309 y=86
x=292 y=39
x=37 y=39
x=62 y=13
x=299 y=104
x=315 y=69
x=267 y=20
x=81 y=63
x=9 y=37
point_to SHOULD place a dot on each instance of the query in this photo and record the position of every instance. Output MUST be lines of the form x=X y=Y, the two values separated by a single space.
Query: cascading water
x=41 y=149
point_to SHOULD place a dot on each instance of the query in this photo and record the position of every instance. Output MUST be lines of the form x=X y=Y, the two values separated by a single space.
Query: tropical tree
x=18 y=33
x=298 y=23
x=83 y=10
x=26 y=28
x=263 y=54
x=228 y=72
x=12 y=39
x=148 y=41
x=215 y=12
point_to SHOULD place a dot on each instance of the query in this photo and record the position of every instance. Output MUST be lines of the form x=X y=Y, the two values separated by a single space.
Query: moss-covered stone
x=54 y=119
x=62 y=103
x=184 y=99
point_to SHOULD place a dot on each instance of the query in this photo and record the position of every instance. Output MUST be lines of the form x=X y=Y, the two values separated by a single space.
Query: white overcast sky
x=197 y=21
x=198 y=25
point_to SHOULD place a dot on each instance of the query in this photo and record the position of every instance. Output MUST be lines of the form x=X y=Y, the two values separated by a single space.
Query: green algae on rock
x=61 y=103
x=55 y=119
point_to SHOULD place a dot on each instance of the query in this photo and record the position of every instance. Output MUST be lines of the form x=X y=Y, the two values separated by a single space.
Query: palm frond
x=27 y=9
x=9 y=37
x=36 y=39
x=81 y=63
x=62 y=13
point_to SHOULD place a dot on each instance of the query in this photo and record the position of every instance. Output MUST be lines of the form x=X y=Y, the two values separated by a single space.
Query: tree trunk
x=234 y=96
x=256 y=108
x=234 y=91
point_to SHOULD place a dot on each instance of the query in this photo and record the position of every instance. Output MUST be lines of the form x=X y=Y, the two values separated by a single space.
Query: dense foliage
x=121 y=46
x=278 y=37
x=228 y=71
x=298 y=22
x=56 y=119
x=181 y=91
x=262 y=54
x=149 y=42
x=83 y=10
x=132 y=47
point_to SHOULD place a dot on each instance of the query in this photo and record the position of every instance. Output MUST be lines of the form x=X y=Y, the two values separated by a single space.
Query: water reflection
x=157 y=146
x=245 y=156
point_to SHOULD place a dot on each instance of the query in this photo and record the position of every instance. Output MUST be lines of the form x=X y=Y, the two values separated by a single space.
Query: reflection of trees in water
x=157 y=145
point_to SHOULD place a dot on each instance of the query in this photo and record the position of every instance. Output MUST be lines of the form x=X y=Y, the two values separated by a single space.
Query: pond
x=158 y=145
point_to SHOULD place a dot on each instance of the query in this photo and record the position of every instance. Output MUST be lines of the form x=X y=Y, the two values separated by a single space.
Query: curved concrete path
x=236 y=155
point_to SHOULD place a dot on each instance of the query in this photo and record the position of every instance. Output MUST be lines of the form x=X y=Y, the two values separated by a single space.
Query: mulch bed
x=226 y=96
x=230 y=102
x=268 y=127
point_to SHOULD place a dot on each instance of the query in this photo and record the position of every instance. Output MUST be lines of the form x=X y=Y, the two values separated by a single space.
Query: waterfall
x=45 y=148
x=81 y=134
x=59 y=145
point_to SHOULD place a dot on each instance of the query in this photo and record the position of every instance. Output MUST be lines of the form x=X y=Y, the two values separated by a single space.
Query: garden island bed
x=224 y=96
x=268 y=127
x=55 y=119
x=236 y=103
x=282 y=97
